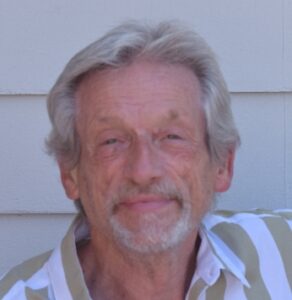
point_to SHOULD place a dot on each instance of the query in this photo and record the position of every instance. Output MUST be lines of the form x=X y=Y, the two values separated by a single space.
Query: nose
x=144 y=164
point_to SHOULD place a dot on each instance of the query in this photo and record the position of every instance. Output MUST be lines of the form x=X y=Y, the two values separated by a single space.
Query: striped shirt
x=246 y=255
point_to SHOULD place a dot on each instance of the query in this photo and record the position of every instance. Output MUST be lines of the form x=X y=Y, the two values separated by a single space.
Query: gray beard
x=153 y=237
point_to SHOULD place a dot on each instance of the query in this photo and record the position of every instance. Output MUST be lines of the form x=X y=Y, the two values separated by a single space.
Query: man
x=144 y=138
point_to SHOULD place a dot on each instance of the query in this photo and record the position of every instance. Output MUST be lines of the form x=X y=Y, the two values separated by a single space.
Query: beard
x=153 y=232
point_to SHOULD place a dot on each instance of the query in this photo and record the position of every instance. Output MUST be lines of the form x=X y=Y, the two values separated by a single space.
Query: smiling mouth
x=144 y=204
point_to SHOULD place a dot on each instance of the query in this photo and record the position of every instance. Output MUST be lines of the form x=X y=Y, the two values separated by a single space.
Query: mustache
x=165 y=188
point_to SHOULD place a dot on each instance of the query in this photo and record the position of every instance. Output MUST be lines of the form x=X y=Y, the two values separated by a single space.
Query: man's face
x=144 y=177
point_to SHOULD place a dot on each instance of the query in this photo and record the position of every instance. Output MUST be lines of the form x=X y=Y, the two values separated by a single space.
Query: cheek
x=93 y=189
x=195 y=173
x=91 y=182
x=100 y=169
x=183 y=164
x=201 y=186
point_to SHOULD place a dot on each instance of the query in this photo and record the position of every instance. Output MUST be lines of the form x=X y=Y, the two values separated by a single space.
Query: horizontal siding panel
x=259 y=178
x=287 y=43
x=37 y=39
x=29 y=179
x=288 y=152
x=29 y=235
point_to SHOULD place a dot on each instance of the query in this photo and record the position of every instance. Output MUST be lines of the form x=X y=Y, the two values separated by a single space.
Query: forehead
x=142 y=88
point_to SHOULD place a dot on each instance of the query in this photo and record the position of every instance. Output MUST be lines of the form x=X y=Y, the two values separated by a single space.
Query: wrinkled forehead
x=143 y=76
x=140 y=89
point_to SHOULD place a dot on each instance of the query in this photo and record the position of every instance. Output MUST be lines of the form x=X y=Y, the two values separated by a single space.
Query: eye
x=173 y=136
x=110 y=141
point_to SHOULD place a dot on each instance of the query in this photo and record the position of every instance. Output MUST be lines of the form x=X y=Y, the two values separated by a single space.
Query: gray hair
x=167 y=42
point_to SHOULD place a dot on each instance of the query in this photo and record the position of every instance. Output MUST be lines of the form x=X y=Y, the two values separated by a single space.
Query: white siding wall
x=253 y=41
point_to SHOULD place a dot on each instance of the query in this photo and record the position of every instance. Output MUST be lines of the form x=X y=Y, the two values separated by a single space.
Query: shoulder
x=256 y=244
x=274 y=221
x=252 y=226
x=261 y=239
x=15 y=280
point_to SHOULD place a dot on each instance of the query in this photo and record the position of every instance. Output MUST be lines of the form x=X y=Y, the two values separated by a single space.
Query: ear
x=69 y=180
x=224 y=173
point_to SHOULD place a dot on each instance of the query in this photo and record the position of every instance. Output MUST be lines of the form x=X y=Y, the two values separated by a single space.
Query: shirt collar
x=219 y=254
x=208 y=266
x=64 y=268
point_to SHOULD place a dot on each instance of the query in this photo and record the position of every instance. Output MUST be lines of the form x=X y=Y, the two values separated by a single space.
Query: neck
x=116 y=273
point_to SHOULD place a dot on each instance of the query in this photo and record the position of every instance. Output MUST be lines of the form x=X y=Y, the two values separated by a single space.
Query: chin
x=153 y=235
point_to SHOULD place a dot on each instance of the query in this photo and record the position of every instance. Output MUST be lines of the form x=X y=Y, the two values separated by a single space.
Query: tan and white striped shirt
x=246 y=255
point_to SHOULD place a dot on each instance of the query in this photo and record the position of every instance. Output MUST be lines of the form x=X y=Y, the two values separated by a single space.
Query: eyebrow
x=172 y=116
x=109 y=119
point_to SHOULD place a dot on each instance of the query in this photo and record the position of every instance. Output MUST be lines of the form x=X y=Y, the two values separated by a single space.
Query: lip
x=145 y=204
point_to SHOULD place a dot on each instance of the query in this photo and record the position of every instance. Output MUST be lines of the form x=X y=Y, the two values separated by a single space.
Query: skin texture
x=144 y=177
